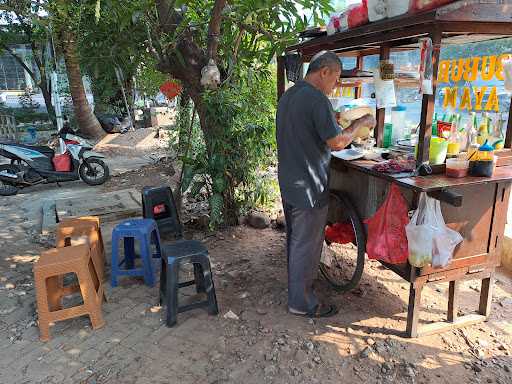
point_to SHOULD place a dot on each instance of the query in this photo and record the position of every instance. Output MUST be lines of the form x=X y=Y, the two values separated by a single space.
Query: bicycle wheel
x=344 y=268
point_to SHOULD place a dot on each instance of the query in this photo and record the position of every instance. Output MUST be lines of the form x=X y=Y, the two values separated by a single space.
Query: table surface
x=425 y=183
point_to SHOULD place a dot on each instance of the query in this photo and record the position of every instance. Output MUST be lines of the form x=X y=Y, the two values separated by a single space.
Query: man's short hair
x=324 y=59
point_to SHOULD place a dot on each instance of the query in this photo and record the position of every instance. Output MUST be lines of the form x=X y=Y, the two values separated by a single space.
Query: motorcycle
x=33 y=165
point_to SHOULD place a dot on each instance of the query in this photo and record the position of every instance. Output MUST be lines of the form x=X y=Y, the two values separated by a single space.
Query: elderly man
x=306 y=133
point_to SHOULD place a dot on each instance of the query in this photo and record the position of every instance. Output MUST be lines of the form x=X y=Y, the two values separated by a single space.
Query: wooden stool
x=48 y=269
x=71 y=229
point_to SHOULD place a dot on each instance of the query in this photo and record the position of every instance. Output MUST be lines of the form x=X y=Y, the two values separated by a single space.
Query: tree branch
x=214 y=29
x=168 y=18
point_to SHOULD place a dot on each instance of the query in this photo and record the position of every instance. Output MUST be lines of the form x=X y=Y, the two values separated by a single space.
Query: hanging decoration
x=170 y=89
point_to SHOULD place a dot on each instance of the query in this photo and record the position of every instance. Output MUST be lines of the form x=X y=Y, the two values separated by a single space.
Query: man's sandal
x=321 y=310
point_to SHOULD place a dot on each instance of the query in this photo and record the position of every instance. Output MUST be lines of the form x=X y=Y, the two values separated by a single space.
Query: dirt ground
x=261 y=344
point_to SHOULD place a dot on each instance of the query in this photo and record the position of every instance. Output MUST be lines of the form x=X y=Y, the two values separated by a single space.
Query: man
x=306 y=133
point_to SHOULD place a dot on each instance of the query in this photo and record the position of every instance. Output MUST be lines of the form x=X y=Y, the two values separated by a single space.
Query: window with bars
x=12 y=74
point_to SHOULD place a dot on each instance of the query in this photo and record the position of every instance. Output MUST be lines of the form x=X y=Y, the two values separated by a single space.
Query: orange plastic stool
x=49 y=269
x=89 y=226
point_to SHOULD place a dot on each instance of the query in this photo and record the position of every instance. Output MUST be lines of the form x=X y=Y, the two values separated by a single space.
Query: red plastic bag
x=425 y=5
x=387 y=240
x=62 y=163
x=341 y=233
x=358 y=15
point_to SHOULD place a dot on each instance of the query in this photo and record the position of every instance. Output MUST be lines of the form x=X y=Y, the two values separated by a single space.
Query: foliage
x=27 y=100
x=148 y=78
x=23 y=115
x=24 y=23
x=233 y=163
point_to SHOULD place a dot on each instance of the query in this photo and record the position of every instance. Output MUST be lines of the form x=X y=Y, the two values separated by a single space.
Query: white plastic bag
x=420 y=233
x=445 y=240
x=430 y=240
x=384 y=91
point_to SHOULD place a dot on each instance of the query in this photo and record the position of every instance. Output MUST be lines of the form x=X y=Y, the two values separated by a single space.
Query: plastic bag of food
x=426 y=67
x=357 y=14
x=384 y=91
x=387 y=240
x=420 y=232
x=445 y=240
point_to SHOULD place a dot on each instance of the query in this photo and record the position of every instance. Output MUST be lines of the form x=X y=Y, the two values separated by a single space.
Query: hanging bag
x=445 y=240
x=387 y=240
x=420 y=233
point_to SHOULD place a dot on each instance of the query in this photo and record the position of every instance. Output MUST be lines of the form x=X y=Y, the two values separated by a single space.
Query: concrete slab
x=109 y=206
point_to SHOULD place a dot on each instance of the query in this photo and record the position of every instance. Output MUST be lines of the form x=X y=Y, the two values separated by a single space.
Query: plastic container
x=453 y=148
x=398 y=121
x=438 y=150
x=376 y=10
x=424 y=5
x=485 y=152
x=457 y=167
x=397 y=7
x=481 y=168
x=388 y=131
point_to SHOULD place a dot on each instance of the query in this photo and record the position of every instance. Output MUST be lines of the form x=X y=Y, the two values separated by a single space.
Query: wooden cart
x=476 y=207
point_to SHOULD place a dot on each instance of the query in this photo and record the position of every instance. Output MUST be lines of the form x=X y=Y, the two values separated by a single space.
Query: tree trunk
x=43 y=85
x=87 y=122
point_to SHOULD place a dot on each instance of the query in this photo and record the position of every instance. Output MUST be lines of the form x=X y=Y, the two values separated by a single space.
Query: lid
x=486 y=147
x=399 y=108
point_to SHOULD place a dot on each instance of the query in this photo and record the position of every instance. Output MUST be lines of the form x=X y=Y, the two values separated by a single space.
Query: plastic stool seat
x=173 y=256
x=145 y=231
x=185 y=248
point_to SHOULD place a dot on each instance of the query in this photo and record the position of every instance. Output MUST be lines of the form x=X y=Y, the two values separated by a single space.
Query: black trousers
x=304 y=240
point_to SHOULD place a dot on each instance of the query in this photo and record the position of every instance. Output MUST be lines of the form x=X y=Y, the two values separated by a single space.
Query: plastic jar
x=438 y=150
x=457 y=167
x=397 y=7
x=398 y=121
x=376 y=10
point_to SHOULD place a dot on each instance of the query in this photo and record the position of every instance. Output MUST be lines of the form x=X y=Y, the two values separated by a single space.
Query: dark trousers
x=304 y=240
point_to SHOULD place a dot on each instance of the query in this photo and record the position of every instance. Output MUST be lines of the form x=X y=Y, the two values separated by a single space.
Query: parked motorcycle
x=32 y=165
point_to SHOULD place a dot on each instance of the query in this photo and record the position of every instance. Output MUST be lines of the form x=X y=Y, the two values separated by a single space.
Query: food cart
x=474 y=206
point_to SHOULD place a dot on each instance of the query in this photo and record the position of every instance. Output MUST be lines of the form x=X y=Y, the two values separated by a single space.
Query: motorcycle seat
x=47 y=151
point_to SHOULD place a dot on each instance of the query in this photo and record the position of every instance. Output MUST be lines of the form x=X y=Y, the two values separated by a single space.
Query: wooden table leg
x=413 y=314
x=453 y=301
x=486 y=296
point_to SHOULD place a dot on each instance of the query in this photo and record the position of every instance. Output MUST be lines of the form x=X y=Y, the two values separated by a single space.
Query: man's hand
x=363 y=126
x=359 y=128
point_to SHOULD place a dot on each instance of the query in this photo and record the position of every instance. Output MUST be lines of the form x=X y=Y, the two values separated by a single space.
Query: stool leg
x=163 y=281
x=54 y=285
x=42 y=308
x=147 y=260
x=156 y=238
x=90 y=297
x=129 y=252
x=115 y=260
x=172 y=292
x=199 y=278
x=213 y=308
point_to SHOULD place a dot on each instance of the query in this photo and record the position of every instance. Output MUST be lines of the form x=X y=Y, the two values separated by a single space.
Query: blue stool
x=146 y=232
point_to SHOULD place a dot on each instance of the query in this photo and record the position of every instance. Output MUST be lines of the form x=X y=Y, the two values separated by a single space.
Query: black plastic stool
x=173 y=256
x=158 y=204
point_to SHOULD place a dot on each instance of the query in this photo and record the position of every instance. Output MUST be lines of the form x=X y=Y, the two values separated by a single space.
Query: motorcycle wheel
x=94 y=171
x=5 y=188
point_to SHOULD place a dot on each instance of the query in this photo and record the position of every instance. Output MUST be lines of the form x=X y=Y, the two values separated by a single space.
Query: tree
x=26 y=24
x=66 y=16
x=241 y=38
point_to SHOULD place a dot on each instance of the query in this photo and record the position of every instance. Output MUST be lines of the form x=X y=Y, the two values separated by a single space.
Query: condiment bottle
x=485 y=152
x=483 y=129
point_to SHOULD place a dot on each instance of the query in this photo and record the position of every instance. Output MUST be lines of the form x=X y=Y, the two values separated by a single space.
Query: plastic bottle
x=434 y=125
x=483 y=129
x=398 y=121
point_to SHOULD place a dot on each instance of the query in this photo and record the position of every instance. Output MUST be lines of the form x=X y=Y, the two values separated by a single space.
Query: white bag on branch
x=210 y=75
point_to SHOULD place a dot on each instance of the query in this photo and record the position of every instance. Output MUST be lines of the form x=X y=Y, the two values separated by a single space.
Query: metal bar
x=381 y=112
x=359 y=66
x=427 y=108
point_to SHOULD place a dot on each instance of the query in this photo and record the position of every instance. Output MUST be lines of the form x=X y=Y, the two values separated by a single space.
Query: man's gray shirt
x=305 y=121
